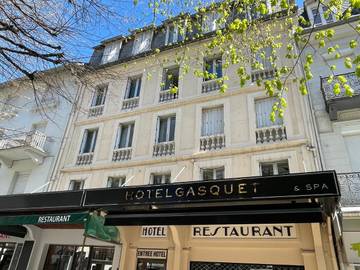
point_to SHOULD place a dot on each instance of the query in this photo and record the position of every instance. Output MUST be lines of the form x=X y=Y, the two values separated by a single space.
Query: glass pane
x=6 y=253
x=157 y=179
x=132 y=88
x=220 y=173
x=81 y=260
x=316 y=15
x=208 y=174
x=88 y=140
x=101 y=258
x=123 y=136
x=267 y=169
x=218 y=68
x=138 y=87
x=131 y=135
x=113 y=182
x=162 y=130
x=172 y=128
x=59 y=257
x=151 y=264
x=283 y=168
x=167 y=178
x=209 y=66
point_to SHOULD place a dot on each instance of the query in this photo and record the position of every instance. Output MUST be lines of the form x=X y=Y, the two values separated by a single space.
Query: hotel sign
x=305 y=185
x=144 y=253
x=154 y=231
x=284 y=231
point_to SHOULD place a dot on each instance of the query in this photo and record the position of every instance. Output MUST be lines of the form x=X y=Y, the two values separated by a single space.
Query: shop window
x=125 y=136
x=158 y=179
x=89 y=141
x=6 y=254
x=213 y=68
x=133 y=87
x=115 y=181
x=74 y=257
x=213 y=173
x=76 y=185
x=274 y=168
x=166 y=129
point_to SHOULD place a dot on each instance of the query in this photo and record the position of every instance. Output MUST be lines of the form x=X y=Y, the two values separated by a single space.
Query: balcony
x=168 y=95
x=350 y=188
x=84 y=159
x=164 y=149
x=96 y=111
x=262 y=74
x=122 y=154
x=210 y=86
x=212 y=142
x=130 y=103
x=335 y=103
x=270 y=134
x=28 y=145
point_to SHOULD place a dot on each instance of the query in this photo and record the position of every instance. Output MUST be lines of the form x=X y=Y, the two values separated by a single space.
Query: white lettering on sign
x=244 y=231
x=143 y=253
x=154 y=231
x=54 y=219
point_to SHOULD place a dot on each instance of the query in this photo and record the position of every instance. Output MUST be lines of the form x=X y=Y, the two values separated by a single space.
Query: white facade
x=32 y=134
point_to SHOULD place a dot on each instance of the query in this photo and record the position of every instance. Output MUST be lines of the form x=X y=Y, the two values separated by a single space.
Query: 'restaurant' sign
x=306 y=185
x=144 y=253
x=154 y=231
x=263 y=231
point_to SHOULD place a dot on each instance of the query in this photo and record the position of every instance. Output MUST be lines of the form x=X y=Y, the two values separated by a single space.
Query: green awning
x=93 y=223
x=66 y=218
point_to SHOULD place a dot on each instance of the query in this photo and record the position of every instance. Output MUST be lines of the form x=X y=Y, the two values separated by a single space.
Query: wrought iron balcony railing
x=335 y=103
x=35 y=139
x=350 y=188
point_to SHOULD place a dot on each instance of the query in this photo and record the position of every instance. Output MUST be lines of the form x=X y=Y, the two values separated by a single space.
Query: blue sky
x=125 y=17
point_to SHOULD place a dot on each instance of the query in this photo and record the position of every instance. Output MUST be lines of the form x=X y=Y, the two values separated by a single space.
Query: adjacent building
x=337 y=118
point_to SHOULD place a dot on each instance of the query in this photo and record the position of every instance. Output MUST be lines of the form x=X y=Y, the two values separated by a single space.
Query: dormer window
x=111 y=52
x=318 y=15
x=173 y=34
x=211 y=22
x=142 y=42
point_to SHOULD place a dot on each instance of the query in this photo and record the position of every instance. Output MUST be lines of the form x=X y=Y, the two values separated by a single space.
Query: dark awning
x=14 y=230
x=258 y=216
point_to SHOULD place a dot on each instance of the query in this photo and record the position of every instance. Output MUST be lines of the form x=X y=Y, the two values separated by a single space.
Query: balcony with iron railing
x=335 y=103
x=350 y=188
x=24 y=145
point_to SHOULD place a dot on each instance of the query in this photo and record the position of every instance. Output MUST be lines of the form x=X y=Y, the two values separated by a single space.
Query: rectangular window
x=170 y=78
x=317 y=16
x=115 y=181
x=212 y=121
x=263 y=109
x=213 y=173
x=133 y=87
x=158 y=179
x=111 y=52
x=166 y=129
x=213 y=68
x=173 y=34
x=329 y=18
x=89 y=141
x=211 y=22
x=142 y=42
x=99 y=96
x=125 y=136
x=76 y=185
x=69 y=257
x=274 y=168
x=263 y=58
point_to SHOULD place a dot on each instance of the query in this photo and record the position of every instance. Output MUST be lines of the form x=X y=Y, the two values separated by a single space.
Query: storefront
x=263 y=223
x=282 y=223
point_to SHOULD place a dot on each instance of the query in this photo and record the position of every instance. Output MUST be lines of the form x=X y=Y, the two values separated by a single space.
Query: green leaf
x=342 y=79
x=348 y=62
x=348 y=90
x=337 y=89
x=357 y=71
x=353 y=44
x=355 y=3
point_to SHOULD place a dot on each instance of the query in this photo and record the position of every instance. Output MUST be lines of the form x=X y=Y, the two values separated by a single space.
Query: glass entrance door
x=6 y=254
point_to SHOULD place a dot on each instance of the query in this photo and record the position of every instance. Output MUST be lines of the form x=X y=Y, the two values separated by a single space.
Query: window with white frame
x=173 y=34
x=212 y=121
x=115 y=181
x=316 y=15
x=166 y=129
x=89 y=141
x=211 y=22
x=213 y=68
x=170 y=78
x=133 y=87
x=263 y=109
x=322 y=15
x=99 y=96
x=124 y=136
x=76 y=185
x=160 y=178
x=142 y=42
x=274 y=168
x=213 y=173
x=111 y=52
x=328 y=15
x=263 y=58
